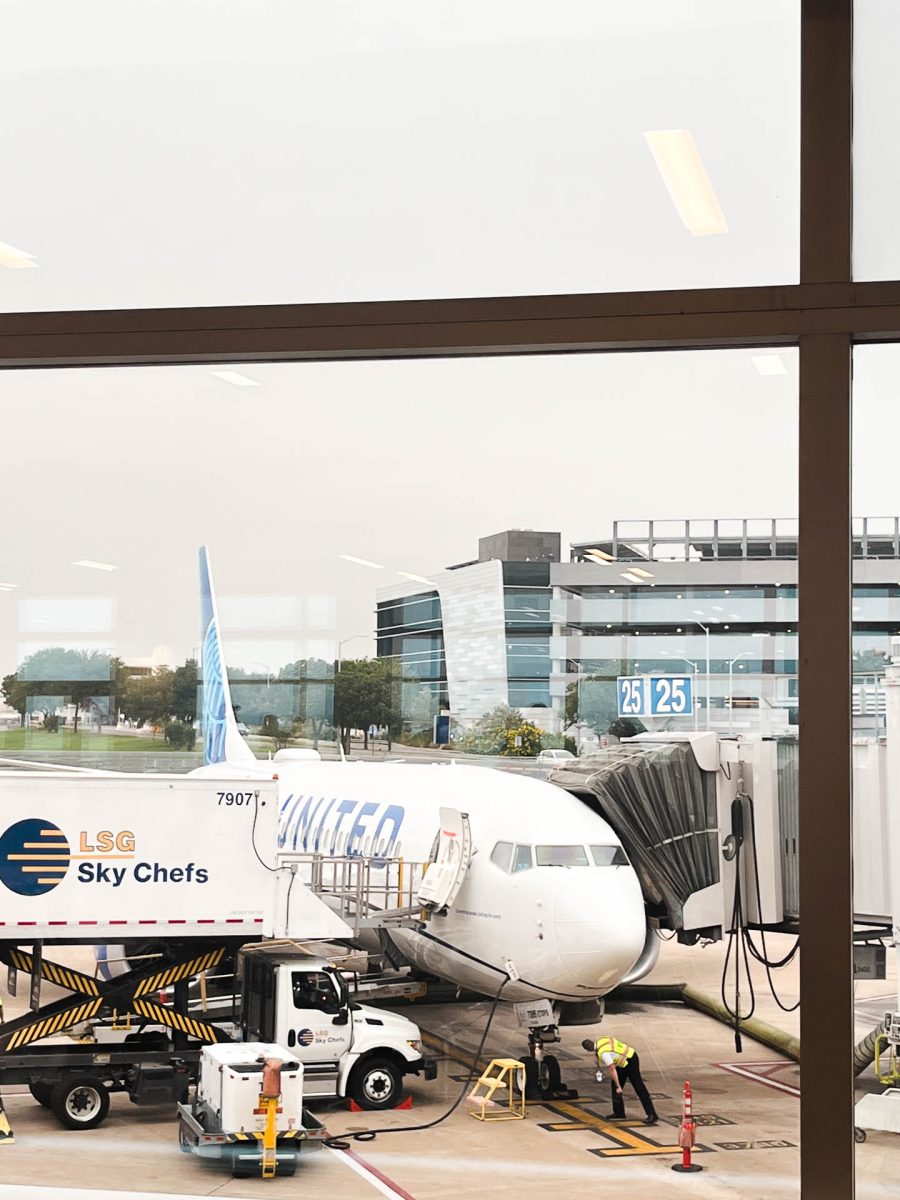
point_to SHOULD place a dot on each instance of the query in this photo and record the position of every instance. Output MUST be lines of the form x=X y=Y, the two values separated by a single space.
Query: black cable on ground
x=368 y=1135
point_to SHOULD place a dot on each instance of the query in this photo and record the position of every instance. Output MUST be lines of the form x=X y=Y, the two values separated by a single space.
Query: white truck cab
x=346 y=1049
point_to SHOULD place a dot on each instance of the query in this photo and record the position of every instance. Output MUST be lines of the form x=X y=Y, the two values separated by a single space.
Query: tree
x=503 y=731
x=364 y=695
x=15 y=693
x=79 y=676
x=149 y=698
x=870 y=661
x=184 y=691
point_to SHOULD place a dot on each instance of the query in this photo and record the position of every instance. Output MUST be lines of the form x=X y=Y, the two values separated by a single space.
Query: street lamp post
x=705 y=629
x=696 y=670
x=743 y=654
x=343 y=642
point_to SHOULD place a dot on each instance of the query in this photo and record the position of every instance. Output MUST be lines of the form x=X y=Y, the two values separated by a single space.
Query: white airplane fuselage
x=572 y=933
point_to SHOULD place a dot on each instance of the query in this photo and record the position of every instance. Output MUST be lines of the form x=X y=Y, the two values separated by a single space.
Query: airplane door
x=447 y=871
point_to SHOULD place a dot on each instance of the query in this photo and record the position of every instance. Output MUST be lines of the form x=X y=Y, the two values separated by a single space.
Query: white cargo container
x=109 y=857
x=230 y=1086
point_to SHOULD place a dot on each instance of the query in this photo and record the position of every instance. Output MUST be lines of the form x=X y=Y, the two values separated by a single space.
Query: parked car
x=554 y=758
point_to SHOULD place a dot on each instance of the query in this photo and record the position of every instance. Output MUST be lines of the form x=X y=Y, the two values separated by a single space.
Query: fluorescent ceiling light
x=631 y=578
x=768 y=364
x=97 y=566
x=678 y=159
x=600 y=554
x=16 y=260
x=416 y=578
x=640 y=571
x=361 y=562
x=7 y=587
x=236 y=378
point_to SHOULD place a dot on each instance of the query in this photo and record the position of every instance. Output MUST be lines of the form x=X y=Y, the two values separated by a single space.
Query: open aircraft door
x=445 y=873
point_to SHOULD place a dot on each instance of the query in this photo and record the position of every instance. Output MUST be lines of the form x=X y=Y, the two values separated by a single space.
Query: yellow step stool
x=500 y=1073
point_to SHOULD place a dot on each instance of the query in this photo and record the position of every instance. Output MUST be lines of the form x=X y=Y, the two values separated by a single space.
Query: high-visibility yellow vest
x=622 y=1051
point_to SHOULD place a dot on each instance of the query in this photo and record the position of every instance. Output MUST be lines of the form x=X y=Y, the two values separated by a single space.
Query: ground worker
x=624 y=1066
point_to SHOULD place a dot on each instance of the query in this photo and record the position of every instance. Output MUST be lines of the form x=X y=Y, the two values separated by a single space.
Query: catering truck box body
x=108 y=857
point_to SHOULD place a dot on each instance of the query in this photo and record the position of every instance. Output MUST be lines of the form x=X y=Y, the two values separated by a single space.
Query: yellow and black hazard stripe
x=64 y=977
x=163 y=979
x=258 y=1135
x=161 y=1015
x=47 y=1026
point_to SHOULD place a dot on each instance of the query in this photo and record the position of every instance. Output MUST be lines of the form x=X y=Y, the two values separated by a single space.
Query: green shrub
x=180 y=735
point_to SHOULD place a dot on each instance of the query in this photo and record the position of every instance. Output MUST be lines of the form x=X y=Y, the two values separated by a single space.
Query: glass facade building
x=715 y=599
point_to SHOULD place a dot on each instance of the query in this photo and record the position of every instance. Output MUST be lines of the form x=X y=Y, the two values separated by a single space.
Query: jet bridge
x=674 y=799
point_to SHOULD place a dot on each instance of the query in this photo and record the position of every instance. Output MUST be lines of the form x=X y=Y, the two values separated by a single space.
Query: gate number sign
x=655 y=695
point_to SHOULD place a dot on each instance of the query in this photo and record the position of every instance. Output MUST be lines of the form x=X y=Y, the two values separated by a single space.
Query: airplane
x=531 y=887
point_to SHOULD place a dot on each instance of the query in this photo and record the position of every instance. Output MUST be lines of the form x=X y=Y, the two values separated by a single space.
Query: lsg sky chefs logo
x=36 y=856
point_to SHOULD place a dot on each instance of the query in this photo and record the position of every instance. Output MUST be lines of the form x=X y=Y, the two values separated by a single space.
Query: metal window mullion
x=825 y=775
x=827 y=1151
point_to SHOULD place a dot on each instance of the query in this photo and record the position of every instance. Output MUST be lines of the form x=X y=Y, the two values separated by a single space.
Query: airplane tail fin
x=222 y=743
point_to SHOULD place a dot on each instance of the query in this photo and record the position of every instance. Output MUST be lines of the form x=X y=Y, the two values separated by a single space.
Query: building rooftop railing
x=713 y=540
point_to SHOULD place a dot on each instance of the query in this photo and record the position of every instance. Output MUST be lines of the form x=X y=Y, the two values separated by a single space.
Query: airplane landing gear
x=543 y=1078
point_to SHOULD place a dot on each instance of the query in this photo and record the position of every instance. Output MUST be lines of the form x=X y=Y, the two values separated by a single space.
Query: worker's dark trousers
x=631 y=1073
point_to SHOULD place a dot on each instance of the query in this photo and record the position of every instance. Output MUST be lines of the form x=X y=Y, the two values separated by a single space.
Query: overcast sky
x=238 y=151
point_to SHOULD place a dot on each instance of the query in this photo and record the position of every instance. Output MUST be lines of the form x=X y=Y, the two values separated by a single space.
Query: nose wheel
x=543 y=1077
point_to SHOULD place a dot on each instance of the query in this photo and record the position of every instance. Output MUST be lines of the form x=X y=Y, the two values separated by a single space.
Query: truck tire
x=80 y=1102
x=376 y=1083
x=42 y=1092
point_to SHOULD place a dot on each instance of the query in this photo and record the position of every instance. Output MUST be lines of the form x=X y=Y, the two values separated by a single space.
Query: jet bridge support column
x=883 y=1111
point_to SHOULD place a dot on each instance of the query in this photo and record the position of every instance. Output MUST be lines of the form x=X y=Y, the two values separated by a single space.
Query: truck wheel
x=376 y=1083
x=42 y=1092
x=80 y=1102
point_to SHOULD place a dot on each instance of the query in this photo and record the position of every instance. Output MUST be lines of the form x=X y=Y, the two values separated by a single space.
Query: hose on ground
x=864 y=1051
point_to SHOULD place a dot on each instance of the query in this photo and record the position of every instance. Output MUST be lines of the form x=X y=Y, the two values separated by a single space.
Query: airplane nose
x=600 y=928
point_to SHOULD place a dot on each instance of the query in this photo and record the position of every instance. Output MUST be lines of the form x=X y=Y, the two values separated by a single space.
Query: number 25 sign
x=655 y=695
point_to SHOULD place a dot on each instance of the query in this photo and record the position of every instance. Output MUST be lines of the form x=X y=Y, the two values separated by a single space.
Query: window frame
x=825 y=314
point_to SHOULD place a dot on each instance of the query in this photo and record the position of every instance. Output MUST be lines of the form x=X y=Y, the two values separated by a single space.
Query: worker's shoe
x=653 y=1120
x=615 y=1117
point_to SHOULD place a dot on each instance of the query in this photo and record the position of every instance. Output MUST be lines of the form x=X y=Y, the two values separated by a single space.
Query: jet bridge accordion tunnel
x=693 y=809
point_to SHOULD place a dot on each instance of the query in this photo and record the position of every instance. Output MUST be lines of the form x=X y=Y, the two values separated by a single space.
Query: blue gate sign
x=655 y=695
x=632 y=692
x=671 y=695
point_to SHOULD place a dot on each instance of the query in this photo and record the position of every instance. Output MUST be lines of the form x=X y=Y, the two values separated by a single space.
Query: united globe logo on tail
x=214 y=699
x=34 y=857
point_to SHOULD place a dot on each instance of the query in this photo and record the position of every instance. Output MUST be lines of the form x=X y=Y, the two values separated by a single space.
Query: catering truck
x=184 y=873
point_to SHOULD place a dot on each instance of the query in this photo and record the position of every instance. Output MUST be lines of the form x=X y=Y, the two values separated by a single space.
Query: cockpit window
x=561 y=856
x=609 y=856
x=522 y=859
x=501 y=855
